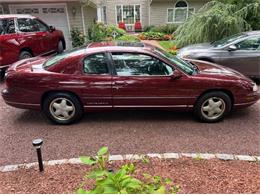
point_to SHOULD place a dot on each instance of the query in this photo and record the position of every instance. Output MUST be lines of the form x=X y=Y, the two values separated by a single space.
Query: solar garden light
x=37 y=144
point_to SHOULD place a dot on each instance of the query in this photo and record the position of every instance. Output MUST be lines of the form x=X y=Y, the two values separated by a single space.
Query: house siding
x=90 y=15
x=159 y=9
x=75 y=20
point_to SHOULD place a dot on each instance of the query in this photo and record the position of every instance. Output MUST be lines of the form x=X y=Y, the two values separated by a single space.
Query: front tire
x=213 y=107
x=62 y=108
x=24 y=55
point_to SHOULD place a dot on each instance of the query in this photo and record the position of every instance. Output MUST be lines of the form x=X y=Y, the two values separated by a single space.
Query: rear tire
x=213 y=107
x=60 y=47
x=62 y=108
x=24 y=55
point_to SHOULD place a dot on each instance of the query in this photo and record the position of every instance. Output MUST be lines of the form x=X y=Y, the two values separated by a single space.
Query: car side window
x=7 y=26
x=133 y=64
x=96 y=64
x=249 y=44
x=26 y=25
x=40 y=26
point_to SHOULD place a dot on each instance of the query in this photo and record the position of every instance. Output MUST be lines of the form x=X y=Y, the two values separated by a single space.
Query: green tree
x=253 y=20
x=214 y=21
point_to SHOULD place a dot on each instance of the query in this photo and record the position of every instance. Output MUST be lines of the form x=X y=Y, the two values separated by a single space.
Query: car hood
x=213 y=70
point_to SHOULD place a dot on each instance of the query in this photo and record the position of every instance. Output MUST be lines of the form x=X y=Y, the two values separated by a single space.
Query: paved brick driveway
x=125 y=132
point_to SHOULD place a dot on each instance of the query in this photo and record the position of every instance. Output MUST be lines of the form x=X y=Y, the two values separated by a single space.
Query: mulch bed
x=193 y=176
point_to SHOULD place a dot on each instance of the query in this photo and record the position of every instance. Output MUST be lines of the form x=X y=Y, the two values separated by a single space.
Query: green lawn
x=167 y=44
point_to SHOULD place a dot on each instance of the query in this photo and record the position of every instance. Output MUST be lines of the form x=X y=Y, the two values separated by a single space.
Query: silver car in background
x=240 y=52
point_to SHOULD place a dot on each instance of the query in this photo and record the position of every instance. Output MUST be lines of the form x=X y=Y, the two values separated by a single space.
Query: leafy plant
x=123 y=180
x=214 y=21
x=100 y=32
x=78 y=38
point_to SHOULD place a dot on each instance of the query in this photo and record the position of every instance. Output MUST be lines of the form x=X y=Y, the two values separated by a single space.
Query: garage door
x=52 y=14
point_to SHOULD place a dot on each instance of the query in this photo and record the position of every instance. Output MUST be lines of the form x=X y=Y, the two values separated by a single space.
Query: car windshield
x=182 y=64
x=58 y=58
x=228 y=40
x=7 y=26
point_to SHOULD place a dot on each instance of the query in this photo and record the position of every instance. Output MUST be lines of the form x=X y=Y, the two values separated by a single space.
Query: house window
x=180 y=12
x=104 y=14
x=129 y=14
x=1 y=9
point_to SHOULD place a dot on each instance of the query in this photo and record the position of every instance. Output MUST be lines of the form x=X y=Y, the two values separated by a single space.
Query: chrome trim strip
x=241 y=104
x=154 y=106
x=97 y=106
x=19 y=103
x=72 y=82
x=140 y=106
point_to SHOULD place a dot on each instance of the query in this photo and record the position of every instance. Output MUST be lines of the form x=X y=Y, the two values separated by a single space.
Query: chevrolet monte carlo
x=119 y=75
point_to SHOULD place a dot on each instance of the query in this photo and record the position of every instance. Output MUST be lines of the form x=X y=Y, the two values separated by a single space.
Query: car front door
x=97 y=81
x=48 y=42
x=142 y=80
x=244 y=56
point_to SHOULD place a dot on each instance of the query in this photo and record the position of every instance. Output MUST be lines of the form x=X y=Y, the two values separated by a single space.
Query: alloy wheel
x=213 y=108
x=62 y=109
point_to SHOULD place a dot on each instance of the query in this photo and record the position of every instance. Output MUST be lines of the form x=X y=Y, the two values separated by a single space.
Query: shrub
x=214 y=21
x=123 y=180
x=128 y=37
x=78 y=38
x=97 y=32
x=167 y=29
x=148 y=28
x=101 y=32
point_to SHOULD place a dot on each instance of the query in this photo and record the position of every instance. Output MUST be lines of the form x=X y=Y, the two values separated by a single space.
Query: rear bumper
x=11 y=100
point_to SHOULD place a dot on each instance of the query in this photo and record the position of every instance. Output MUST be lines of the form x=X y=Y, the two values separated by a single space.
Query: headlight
x=255 y=87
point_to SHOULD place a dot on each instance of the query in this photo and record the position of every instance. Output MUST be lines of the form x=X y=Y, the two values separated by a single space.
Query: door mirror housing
x=232 y=48
x=176 y=75
x=51 y=28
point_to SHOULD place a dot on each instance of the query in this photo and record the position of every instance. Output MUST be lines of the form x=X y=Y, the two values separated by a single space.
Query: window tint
x=40 y=26
x=249 y=44
x=7 y=26
x=96 y=64
x=26 y=25
x=129 y=64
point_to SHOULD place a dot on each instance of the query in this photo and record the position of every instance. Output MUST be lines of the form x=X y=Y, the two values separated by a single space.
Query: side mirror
x=232 y=48
x=176 y=75
x=51 y=28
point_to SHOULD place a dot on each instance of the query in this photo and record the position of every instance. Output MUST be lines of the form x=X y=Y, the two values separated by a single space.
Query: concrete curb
x=205 y=156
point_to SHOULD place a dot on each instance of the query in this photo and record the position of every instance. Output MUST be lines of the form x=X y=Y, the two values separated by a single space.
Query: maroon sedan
x=120 y=75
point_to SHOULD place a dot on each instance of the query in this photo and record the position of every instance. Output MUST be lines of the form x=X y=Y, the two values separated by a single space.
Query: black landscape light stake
x=37 y=144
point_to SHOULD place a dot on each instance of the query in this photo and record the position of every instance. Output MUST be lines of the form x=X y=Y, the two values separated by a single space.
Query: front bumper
x=248 y=100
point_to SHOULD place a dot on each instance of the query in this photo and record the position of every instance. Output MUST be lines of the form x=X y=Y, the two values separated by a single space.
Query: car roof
x=16 y=16
x=119 y=45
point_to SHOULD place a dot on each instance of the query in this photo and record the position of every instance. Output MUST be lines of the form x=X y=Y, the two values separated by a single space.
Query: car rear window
x=7 y=26
x=60 y=57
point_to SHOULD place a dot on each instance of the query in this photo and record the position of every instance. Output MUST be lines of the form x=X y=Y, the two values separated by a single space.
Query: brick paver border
x=205 y=156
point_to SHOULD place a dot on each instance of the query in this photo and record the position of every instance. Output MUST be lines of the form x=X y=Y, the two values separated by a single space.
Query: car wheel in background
x=213 y=106
x=25 y=55
x=62 y=108
x=60 y=47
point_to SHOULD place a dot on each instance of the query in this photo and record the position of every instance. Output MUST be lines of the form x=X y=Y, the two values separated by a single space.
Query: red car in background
x=25 y=36
x=116 y=75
